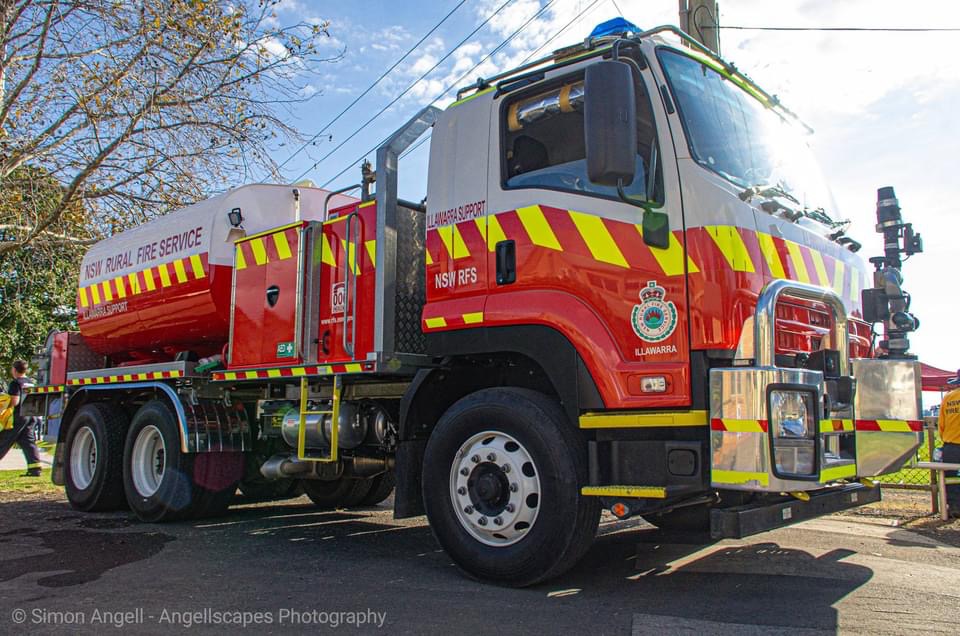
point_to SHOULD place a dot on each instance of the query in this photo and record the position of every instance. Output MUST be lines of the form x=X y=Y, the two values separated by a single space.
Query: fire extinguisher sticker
x=655 y=318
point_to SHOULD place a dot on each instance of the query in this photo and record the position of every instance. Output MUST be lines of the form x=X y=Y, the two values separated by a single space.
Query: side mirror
x=610 y=123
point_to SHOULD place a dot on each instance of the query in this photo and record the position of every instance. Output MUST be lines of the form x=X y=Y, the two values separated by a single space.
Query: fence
x=916 y=478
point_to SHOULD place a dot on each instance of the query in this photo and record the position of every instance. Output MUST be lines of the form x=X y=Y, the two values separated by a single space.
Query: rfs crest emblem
x=655 y=318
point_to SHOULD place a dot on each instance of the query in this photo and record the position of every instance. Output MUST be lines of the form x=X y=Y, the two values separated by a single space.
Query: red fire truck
x=626 y=289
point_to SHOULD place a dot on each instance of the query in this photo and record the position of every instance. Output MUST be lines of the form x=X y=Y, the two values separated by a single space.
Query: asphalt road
x=285 y=567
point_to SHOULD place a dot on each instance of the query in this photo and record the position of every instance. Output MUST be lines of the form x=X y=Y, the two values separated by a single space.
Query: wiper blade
x=767 y=192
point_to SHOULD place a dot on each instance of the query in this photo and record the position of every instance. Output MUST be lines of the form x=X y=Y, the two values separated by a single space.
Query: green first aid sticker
x=284 y=349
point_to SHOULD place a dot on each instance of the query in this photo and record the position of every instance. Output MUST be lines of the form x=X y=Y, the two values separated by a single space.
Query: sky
x=883 y=105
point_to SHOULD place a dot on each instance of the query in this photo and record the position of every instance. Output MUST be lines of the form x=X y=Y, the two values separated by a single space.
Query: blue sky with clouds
x=883 y=105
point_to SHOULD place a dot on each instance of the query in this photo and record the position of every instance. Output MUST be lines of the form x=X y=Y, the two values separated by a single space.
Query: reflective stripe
x=769 y=250
x=796 y=259
x=738 y=426
x=259 y=251
x=473 y=318
x=433 y=323
x=494 y=232
x=739 y=477
x=838 y=472
x=643 y=420
x=820 y=267
x=537 y=227
x=180 y=271
x=649 y=492
x=598 y=239
x=280 y=243
x=731 y=245
x=164 y=275
x=196 y=264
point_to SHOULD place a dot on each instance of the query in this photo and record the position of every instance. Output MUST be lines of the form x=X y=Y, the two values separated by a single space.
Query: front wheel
x=501 y=486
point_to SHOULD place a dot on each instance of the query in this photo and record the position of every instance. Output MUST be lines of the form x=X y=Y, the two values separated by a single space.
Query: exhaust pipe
x=283 y=466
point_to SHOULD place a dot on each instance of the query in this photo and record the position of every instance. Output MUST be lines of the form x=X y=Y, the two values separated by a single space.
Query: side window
x=544 y=143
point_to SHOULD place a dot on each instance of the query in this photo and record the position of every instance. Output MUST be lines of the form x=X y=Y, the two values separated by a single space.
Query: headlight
x=791 y=414
x=793 y=429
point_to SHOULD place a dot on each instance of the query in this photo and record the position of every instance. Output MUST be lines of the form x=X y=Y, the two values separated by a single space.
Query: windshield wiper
x=768 y=192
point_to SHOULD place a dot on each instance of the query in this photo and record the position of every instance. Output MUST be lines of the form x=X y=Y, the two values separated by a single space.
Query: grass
x=13 y=483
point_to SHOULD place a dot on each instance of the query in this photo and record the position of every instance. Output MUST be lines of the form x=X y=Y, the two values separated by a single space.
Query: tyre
x=381 y=487
x=263 y=490
x=157 y=476
x=501 y=485
x=345 y=492
x=94 y=470
x=215 y=479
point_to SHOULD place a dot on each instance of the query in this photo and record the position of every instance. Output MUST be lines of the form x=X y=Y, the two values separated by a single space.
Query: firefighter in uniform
x=24 y=428
x=949 y=425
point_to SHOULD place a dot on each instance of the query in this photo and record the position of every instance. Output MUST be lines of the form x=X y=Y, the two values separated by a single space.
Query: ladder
x=334 y=414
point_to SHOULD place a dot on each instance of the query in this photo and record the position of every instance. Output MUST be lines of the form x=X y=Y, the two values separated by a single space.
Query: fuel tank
x=164 y=287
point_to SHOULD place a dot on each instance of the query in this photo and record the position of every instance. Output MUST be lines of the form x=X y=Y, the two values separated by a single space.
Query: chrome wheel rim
x=495 y=488
x=83 y=458
x=149 y=461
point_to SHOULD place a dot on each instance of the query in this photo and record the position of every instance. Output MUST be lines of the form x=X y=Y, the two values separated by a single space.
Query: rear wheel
x=94 y=470
x=344 y=492
x=501 y=486
x=381 y=487
x=157 y=476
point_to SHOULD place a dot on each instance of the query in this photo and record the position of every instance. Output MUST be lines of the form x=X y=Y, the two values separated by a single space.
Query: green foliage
x=38 y=281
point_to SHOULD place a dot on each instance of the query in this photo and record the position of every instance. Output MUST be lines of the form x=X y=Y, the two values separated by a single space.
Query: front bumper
x=743 y=521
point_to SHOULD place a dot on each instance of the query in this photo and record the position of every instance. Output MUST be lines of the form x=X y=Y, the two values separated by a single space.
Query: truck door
x=580 y=257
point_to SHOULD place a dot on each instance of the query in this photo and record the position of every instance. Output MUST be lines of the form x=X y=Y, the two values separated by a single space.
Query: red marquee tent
x=935 y=379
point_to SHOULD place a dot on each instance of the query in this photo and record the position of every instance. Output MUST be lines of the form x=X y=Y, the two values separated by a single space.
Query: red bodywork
x=153 y=316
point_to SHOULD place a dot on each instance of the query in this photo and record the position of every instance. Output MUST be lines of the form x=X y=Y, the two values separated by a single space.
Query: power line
x=371 y=87
x=455 y=83
x=880 y=29
x=406 y=90
x=583 y=13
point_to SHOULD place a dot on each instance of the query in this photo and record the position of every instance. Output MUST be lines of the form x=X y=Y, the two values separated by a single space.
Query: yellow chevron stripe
x=838 y=277
x=826 y=426
x=351 y=253
x=273 y=373
x=371 y=247
x=250 y=375
x=283 y=247
x=354 y=368
x=134 y=279
x=298 y=371
x=671 y=258
x=196 y=264
x=180 y=270
x=643 y=420
x=818 y=264
x=107 y=292
x=259 y=251
x=326 y=252
x=731 y=245
x=241 y=260
x=95 y=292
x=894 y=426
x=453 y=241
x=742 y=426
x=121 y=288
x=769 y=251
x=433 y=323
x=537 y=227
x=473 y=318
x=495 y=233
x=597 y=237
x=83 y=297
x=429 y=258
x=164 y=275
x=739 y=477
x=799 y=265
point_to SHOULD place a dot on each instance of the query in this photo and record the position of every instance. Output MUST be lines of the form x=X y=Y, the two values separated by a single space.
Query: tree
x=139 y=107
x=38 y=282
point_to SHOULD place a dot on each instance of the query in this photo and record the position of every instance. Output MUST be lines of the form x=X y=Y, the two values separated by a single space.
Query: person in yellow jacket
x=24 y=428
x=949 y=425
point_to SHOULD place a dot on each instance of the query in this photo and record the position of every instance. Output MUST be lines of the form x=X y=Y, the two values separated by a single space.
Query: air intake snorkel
x=887 y=302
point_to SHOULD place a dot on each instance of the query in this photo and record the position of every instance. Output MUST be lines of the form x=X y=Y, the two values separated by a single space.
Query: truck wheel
x=157 y=476
x=501 y=486
x=381 y=487
x=344 y=492
x=215 y=479
x=263 y=490
x=94 y=471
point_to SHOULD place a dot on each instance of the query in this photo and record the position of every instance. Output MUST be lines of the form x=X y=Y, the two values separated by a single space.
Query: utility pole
x=701 y=19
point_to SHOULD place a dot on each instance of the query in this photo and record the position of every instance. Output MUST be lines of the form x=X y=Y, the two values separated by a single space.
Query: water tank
x=165 y=286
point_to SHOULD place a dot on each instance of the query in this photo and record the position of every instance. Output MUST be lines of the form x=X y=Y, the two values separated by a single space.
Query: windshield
x=733 y=134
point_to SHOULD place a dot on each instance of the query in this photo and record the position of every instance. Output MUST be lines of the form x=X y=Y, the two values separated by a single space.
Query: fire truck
x=626 y=289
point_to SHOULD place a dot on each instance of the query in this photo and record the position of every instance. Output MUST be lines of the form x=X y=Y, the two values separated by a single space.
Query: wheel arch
x=524 y=356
